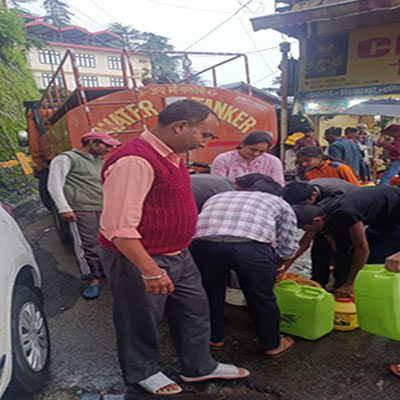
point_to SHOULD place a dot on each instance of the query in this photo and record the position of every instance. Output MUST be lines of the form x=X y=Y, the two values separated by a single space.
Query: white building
x=98 y=55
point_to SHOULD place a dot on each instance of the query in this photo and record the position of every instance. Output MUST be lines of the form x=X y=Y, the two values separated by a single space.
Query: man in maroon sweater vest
x=149 y=217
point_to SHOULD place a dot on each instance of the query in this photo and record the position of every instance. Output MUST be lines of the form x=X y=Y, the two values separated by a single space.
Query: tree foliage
x=16 y=85
x=12 y=36
x=163 y=66
x=57 y=13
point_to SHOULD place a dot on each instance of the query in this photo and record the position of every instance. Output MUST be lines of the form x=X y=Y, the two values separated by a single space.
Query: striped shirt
x=258 y=216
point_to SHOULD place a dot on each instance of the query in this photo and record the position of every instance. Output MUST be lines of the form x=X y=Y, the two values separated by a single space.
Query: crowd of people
x=167 y=241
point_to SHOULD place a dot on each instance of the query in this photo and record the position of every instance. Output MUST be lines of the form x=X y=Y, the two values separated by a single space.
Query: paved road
x=342 y=365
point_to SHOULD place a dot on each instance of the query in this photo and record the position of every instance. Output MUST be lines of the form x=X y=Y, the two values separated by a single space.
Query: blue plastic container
x=307 y=312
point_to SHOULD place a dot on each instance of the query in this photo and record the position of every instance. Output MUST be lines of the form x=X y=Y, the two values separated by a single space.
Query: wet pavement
x=341 y=365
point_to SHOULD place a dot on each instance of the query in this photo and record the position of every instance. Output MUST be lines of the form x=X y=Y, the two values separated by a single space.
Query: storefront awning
x=324 y=18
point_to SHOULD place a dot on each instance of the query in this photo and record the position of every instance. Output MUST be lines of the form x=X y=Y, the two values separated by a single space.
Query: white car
x=24 y=335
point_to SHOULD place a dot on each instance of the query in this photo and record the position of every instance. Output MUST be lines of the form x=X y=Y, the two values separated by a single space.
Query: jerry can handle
x=287 y=284
x=310 y=292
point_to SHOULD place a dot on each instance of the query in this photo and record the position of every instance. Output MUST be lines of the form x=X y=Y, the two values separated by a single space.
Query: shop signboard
x=360 y=63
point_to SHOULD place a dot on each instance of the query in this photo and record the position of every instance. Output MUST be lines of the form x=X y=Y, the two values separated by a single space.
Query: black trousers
x=322 y=257
x=255 y=265
x=382 y=243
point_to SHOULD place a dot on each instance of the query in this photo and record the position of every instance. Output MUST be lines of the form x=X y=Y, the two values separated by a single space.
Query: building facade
x=98 y=55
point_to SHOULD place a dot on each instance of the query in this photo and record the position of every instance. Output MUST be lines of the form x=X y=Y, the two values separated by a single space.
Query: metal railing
x=58 y=92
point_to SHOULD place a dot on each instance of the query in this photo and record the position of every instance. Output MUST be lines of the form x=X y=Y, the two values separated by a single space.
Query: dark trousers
x=255 y=265
x=322 y=257
x=383 y=243
x=85 y=232
x=137 y=315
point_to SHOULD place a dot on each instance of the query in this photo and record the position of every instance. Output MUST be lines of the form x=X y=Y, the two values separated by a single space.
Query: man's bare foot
x=173 y=387
x=160 y=384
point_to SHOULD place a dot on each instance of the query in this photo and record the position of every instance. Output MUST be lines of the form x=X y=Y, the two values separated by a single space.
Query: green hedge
x=16 y=86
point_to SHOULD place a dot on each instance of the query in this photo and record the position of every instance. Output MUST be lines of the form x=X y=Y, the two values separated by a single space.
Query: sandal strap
x=155 y=382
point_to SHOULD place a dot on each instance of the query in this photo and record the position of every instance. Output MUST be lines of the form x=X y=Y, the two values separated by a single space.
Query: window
x=85 y=60
x=46 y=78
x=114 y=62
x=117 y=81
x=49 y=57
x=90 y=81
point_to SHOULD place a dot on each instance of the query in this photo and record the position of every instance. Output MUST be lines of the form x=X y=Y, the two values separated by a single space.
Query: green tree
x=57 y=13
x=131 y=37
x=164 y=67
x=275 y=85
x=16 y=85
x=12 y=36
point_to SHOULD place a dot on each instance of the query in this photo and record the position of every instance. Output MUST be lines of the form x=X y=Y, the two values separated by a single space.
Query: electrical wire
x=259 y=6
x=254 y=44
x=267 y=76
x=261 y=50
x=187 y=8
x=104 y=11
x=99 y=26
x=219 y=25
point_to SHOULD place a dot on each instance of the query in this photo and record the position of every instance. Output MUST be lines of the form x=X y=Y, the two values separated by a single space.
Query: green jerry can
x=307 y=312
x=377 y=295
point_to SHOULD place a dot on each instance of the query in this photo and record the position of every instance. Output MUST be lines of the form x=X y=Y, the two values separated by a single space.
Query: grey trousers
x=85 y=232
x=137 y=315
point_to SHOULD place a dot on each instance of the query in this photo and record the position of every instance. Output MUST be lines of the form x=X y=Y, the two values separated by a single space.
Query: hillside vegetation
x=16 y=85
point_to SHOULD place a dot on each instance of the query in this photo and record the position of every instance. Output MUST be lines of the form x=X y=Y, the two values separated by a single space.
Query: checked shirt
x=258 y=216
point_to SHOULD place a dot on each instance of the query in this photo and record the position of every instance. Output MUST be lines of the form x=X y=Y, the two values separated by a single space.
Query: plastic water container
x=307 y=312
x=235 y=297
x=345 y=314
x=377 y=295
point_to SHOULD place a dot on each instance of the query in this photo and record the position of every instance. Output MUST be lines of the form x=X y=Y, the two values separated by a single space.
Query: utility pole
x=284 y=48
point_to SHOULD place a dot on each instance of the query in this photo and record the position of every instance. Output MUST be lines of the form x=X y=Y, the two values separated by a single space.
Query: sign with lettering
x=361 y=63
x=239 y=114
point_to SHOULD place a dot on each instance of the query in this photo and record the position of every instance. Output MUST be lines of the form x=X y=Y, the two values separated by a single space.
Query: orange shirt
x=333 y=169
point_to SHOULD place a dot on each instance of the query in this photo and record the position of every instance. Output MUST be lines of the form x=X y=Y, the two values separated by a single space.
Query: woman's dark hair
x=297 y=192
x=189 y=110
x=310 y=152
x=257 y=137
x=314 y=152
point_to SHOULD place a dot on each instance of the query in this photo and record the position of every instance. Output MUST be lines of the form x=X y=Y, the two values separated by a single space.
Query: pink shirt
x=232 y=165
x=128 y=181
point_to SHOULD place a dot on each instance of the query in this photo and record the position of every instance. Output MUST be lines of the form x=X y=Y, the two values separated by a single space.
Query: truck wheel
x=30 y=342
x=44 y=194
x=62 y=228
